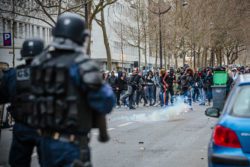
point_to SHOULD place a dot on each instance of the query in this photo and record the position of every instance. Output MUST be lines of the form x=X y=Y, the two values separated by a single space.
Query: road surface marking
x=125 y=124
x=109 y=129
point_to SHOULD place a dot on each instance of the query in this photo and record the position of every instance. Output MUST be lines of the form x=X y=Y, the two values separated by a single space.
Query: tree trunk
x=194 y=55
x=236 y=54
x=183 y=51
x=165 y=56
x=169 y=57
x=176 y=60
x=89 y=41
x=145 y=41
x=139 y=53
x=184 y=59
x=106 y=41
x=13 y=34
x=165 y=61
x=220 y=56
x=202 y=57
x=228 y=55
x=223 y=58
x=59 y=7
x=156 y=54
x=212 y=58
x=139 y=35
x=89 y=26
x=199 y=57
x=205 y=57
x=122 y=50
x=150 y=52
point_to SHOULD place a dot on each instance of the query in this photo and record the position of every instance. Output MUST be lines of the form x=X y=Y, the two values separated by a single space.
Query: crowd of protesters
x=162 y=87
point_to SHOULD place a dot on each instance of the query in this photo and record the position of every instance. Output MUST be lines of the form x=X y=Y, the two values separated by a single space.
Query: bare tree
x=102 y=24
x=203 y=27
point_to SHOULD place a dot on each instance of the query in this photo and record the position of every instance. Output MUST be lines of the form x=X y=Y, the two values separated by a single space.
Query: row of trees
x=47 y=11
x=203 y=32
x=200 y=32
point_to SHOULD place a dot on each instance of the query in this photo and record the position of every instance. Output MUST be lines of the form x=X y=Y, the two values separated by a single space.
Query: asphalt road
x=146 y=137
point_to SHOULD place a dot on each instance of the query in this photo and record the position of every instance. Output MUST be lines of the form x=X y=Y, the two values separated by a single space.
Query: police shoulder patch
x=23 y=74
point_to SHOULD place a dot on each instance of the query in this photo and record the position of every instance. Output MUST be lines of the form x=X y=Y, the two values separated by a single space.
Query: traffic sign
x=6 y=39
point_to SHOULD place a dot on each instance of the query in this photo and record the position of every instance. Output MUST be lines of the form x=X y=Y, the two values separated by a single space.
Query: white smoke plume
x=170 y=113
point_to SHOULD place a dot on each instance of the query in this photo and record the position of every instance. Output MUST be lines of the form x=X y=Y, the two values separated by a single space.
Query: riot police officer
x=16 y=88
x=69 y=96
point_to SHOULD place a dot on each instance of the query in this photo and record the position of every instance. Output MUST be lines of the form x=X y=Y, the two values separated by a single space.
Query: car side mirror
x=212 y=112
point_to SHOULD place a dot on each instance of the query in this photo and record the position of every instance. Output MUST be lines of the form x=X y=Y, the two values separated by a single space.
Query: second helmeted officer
x=16 y=88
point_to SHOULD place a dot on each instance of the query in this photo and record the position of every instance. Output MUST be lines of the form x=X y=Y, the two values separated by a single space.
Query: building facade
x=14 y=29
x=120 y=22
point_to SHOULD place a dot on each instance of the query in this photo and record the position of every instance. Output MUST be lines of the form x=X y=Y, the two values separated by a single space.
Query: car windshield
x=241 y=106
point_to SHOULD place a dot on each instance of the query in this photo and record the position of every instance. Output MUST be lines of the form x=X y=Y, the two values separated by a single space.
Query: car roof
x=243 y=80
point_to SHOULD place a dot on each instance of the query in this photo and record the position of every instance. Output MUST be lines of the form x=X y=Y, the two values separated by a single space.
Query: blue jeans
x=188 y=96
x=209 y=95
x=196 y=93
x=24 y=140
x=202 y=95
x=63 y=154
x=150 y=93
x=162 y=100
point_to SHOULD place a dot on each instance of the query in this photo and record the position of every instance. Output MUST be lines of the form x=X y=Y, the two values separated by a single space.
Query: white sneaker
x=156 y=104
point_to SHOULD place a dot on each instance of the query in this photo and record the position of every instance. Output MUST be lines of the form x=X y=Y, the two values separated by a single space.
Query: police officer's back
x=68 y=95
x=16 y=89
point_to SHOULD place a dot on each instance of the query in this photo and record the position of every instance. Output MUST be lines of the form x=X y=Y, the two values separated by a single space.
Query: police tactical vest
x=58 y=104
x=20 y=105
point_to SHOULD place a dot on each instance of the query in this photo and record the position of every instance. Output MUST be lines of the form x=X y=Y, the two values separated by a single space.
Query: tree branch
x=100 y=6
x=24 y=15
x=99 y=22
x=44 y=10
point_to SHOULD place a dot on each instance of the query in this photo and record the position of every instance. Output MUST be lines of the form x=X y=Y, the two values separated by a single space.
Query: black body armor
x=20 y=106
x=58 y=104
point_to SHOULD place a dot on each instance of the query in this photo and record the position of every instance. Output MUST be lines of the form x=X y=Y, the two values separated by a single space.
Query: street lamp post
x=160 y=31
x=160 y=35
x=159 y=13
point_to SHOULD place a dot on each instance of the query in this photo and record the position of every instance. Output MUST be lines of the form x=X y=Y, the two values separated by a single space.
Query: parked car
x=230 y=142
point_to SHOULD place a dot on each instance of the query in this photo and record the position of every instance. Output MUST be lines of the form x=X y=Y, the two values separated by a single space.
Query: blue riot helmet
x=71 y=26
x=31 y=48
